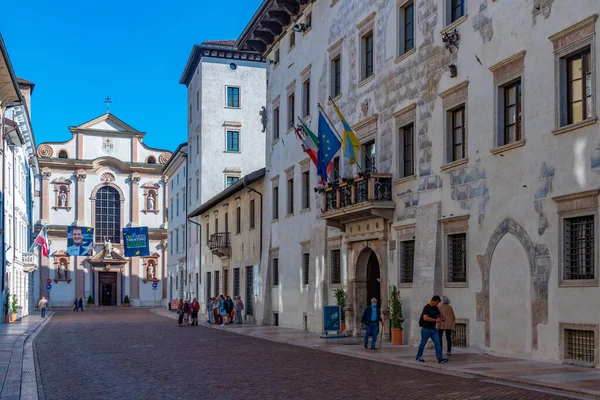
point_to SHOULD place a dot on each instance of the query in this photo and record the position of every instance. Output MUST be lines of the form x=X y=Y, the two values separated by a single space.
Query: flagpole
x=332 y=166
x=361 y=148
x=338 y=135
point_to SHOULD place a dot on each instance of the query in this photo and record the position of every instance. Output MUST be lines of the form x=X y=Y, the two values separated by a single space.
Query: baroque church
x=105 y=178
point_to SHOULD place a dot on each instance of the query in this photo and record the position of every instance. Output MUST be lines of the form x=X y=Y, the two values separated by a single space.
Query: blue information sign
x=154 y=285
x=48 y=287
x=332 y=318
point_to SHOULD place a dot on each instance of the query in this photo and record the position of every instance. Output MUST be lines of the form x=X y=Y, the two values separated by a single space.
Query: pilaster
x=80 y=207
x=135 y=199
x=46 y=174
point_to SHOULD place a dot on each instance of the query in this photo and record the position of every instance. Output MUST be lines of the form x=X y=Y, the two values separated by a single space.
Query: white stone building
x=226 y=89
x=481 y=118
x=111 y=180
x=177 y=268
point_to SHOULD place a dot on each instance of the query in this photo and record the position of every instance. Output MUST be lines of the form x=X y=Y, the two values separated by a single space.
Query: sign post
x=154 y=288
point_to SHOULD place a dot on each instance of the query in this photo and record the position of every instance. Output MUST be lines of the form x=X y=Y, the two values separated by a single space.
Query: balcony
x=30 y=261
x=365 y=196
x=220 y=244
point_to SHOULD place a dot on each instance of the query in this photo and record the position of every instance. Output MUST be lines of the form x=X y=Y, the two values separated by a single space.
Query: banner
x=135 y=242
x=80 y=241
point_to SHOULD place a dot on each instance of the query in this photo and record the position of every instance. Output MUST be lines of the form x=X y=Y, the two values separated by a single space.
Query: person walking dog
x=429 y=318
x=371 y=317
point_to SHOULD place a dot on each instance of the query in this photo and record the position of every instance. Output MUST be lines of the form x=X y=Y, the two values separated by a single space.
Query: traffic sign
x=48 y=286
x=154 y=285
x=155 y=279
x=48 y=281
x=154 y=288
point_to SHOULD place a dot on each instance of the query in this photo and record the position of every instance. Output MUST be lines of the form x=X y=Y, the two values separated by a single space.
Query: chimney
x=26 y=88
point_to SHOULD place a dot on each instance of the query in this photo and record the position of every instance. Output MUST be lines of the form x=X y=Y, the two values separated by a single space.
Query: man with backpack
x=195 y=306
x=429 y=318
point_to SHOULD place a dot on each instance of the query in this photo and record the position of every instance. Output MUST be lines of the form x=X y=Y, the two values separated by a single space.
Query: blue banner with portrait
x=135 y=242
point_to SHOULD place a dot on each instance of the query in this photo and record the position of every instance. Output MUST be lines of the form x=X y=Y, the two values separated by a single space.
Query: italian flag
x=310 y=145
x=42 y=241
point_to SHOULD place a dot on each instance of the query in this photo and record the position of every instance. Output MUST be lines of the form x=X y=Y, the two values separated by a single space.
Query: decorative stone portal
x=107 y=288
x=539 y=270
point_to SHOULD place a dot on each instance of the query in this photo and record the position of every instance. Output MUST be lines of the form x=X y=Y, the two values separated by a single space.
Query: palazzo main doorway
x=107 y=288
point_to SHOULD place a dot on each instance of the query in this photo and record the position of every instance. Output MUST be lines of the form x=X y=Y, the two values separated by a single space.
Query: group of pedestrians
x=78 y=303
x=185 y=309
x=224 y=310
x=435 y=319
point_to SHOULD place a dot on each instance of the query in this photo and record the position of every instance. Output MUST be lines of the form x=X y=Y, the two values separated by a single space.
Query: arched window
x=151 y=160
x=63 y=154
x=108 y=215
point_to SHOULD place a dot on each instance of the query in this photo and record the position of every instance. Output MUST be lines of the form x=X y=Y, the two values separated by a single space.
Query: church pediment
x=108 y=123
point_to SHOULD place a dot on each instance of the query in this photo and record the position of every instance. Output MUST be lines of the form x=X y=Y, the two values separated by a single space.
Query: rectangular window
x=369 y=156
x=275 y=319
x=457 y=133
x=207 y=234
x=457 y=257
x=306 y=190
x=276 y=57
x=177 y=205
x=226 y=222
x=512 y=112
x=579 y=242
x=305 y=265
x=407 y=151
x=291 y=116
x=232 y=180
x=275 y=202
x=238 y=219
x=336 y=267
x=172 y=209
x=197 y=143
x=579 y=87
x=276 y=272
x=334 y=176
x=276 y=123
x=336 y=77
x=457 y=9
x=236 y=281
x=407 y=261
x=367 y=55
x=579 y=346
x=177 y=241
x=208 y=286
x=197 y=188
x=292 y=39
x=407 y=29
x=197 y=99
x=252 y=214
x=217 y=283
x=233 y=97
x=290 y=196
x=233 y=141
x=306 y=98
x=171 y=242
x=216 y=225
x=190 y=114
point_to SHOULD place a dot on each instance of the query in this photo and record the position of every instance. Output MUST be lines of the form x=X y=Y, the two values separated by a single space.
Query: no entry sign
x=48 y=281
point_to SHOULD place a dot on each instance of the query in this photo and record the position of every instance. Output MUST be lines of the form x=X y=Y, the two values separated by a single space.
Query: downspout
x=199 y=263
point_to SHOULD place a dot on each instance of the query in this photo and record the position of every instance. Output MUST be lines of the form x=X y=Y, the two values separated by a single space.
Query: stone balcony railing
x=358 y=198
x=30 y=261
x=220 y=244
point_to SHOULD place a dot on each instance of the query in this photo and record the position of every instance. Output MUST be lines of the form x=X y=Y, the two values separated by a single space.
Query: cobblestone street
x=135 y=354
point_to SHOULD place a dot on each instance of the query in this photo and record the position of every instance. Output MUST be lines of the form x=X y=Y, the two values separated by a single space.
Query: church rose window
x=108 y=215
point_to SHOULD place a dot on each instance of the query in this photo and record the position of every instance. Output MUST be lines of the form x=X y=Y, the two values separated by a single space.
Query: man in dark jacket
x=371 y=317
x=429 y=318
x=229 y=308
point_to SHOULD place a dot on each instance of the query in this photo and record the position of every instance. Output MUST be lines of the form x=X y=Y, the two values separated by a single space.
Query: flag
x=350 y=143
x=310 y=143
x=42 y=241
x=329 y=144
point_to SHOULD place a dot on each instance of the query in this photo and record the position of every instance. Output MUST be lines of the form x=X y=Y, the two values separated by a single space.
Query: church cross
x=107 y=101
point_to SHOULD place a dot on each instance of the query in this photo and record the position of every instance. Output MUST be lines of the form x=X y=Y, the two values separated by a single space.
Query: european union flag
x=329 y=144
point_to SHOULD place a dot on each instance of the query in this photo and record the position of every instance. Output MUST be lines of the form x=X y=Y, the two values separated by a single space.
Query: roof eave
x=15 y=96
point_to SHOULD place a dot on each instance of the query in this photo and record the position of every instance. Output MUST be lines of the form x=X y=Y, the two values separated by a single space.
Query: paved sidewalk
x=17 y=369
x=569 y=380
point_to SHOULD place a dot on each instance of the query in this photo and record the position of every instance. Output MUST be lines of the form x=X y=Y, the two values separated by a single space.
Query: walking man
x=76 y=304
x=195 y=306
x=81 y=304
x=429 y=318
x=370 y=320
x=43 y=304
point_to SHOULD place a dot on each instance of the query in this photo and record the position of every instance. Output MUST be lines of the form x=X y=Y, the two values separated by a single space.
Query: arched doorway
x=373 y=279
x=368 y=283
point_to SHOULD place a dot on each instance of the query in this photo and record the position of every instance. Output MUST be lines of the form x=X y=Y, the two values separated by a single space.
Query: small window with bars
x=579 y=346
x=407 y=261
x=236 y=281
x=276 y=272
x=459 y=335
x=336 y=267
x=275 y=319
x=578 y=248
x=457 y=257
x=305 y=264
x=208 y=286
x=217 y=283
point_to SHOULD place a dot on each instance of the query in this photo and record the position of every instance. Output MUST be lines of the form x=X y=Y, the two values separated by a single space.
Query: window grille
x=208 y=286
x=579 y=345
x=275 y=271
x=217 y=283
x=236 y=281
x=249 y=305
x=579 y=247
x=459 y=336
x=305 y=264
x=407 y=261
x=457 y=257
x=336 y=268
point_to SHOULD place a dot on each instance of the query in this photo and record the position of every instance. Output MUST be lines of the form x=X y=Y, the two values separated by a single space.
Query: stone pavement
x=17 y=370
x=560 y=378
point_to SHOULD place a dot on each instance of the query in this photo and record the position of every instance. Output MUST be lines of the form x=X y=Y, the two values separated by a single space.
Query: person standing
x=43 y=304
x=239 y=307
x=80 y=302
x=210 y=310
x=429 y=318
x=447 y=325
x=180 y=311
x=186 y=313
x=222 y=310
x=195 y=307
x=76 y=303
x=371 y=317
x=229 y=307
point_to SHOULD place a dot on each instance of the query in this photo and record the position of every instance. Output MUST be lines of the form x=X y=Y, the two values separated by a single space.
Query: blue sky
x=78 y=52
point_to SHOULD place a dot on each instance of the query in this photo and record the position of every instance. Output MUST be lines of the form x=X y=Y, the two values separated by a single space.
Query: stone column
x=135 y=199
x=163 y=273
x=46 y=196
x=80 y=193
x=427 y=277
x=95 y=290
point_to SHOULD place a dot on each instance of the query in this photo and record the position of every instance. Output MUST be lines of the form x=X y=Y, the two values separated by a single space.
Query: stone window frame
x=577 y=205
x=367 y=131
x=305 y=169
x=568 y=42
x=453 y=98
x=505 y=73
x=231 y=174
x=290 y=91
x=304 y=249
x=562 y=326
x=231 y=126
x=274 y=254
x=334 y=243
x=403 y=118
x=306 y=99
x=401 y=53
x=404 y=233
x=335 y=53
x=464 y=321
x=276 y=122
x=450 y=226
x=448 y=23
x=367 y=25
x=239 y=97
x=289 y=199
x=275 y=207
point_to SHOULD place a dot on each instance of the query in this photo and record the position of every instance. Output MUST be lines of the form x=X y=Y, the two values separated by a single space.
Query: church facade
x=103 y=179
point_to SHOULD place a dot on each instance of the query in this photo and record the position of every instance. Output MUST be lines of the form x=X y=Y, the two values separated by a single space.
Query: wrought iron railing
x=361 y=189
x=219 y=242
x=28 y=258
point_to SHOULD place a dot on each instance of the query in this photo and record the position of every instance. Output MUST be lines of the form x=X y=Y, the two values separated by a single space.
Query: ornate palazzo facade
x=103 y=178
